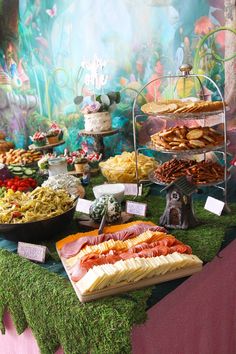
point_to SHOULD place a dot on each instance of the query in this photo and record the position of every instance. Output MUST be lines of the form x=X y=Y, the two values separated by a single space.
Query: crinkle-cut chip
x=122 y=168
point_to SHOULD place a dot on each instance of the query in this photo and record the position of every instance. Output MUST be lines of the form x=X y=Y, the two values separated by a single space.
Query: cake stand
x=46 y=148
x=98 y=138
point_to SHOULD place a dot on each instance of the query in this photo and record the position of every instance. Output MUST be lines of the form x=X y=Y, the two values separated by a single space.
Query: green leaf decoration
x=78 y=100
x=105 y=99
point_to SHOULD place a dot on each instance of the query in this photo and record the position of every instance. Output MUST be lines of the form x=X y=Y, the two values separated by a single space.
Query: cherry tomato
x=16 y=214
x=21 y=189
x=9 y=183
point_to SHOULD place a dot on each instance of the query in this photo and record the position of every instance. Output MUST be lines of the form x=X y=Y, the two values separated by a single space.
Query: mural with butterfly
x=52 y=12
x=139 y=40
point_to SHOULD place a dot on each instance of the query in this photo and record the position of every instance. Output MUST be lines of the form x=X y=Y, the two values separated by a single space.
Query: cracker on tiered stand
x=178 y=106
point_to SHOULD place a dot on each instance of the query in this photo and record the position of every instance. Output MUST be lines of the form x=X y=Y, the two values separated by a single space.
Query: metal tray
x=186 y=152
x=186 y=115
x=153 y=179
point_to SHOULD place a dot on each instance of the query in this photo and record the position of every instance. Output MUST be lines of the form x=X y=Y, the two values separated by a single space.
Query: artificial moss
x=205 y=239
x=47 y=303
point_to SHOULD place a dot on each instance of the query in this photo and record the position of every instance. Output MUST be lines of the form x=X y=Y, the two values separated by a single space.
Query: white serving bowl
x=115 y=189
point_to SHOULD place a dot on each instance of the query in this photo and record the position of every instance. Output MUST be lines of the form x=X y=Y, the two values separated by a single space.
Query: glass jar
x=57 y=166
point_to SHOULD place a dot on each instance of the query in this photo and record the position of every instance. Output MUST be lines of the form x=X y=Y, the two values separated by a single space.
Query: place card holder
x=136 y=208
x=36 y=253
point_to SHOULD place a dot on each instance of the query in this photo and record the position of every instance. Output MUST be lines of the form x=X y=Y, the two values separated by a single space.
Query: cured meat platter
x=125 y=258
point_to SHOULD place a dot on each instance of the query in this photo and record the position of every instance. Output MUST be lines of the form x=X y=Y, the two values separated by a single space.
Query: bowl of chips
x=122 y=168
x=35 y=216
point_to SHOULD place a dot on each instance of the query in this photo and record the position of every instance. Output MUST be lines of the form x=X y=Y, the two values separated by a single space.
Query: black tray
x=37 y=231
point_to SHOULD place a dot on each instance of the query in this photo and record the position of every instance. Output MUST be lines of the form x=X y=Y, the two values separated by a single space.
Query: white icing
x=97 y=122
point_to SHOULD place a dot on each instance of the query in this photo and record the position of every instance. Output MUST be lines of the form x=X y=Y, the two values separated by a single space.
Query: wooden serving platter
x=186 y=269
x=87 y=221
x=125 y=287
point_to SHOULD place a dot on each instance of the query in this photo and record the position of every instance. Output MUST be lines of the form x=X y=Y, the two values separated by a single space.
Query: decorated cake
x=97 y=122
x=96 y=112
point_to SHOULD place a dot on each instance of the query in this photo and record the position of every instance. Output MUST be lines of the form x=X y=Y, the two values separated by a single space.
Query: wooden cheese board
x=125 y=286
x=85 y=220
x=126 y=273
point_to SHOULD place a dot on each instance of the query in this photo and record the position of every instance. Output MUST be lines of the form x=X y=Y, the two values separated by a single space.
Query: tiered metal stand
x=204 y=116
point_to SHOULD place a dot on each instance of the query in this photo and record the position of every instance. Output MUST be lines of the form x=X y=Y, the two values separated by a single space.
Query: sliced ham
x=72 y=248
x=81 y=268
x=181 y=248
x=167 y=245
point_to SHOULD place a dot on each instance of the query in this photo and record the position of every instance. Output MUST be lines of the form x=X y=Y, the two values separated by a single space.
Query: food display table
x=45 y=302
x=201 y=318
x=197 y=317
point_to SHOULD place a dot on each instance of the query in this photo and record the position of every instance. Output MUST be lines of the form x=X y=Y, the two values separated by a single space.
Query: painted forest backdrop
x=44 y=44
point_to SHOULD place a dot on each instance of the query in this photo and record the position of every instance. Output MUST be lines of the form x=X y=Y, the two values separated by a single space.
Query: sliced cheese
x=133 y=270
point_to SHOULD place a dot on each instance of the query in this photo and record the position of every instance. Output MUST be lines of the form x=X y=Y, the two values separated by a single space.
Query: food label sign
x=32 y=252
x=133 y=189
x=136 y=208
x=215 y=206
x=83 y=205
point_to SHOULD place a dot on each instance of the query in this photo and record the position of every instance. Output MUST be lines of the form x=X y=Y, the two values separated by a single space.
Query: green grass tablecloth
x=45 y=301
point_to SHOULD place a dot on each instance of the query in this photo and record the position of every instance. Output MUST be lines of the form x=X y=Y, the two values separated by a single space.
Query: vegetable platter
x=22 y=171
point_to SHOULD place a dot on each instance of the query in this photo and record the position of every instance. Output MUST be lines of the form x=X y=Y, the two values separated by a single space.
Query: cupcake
x=39 y=139
x=94 y=159
x=54 y=134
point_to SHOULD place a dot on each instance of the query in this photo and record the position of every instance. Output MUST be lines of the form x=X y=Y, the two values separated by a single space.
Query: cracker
x=148 y=108
x=172 y=107
x=194 y=134
x=161 y=109
x=174 y=143
x=195 y=143
x=181 y=109
x=208 y=138
x=189 y=107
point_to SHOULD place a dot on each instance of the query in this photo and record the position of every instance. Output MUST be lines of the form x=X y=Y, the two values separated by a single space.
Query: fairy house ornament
x=179 y=213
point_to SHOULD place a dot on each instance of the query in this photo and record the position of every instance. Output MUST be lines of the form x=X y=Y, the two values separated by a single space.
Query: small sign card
x=136 y=208
x=83 y=205
x=32 y=252
x=132 y=188
x=213 y=205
